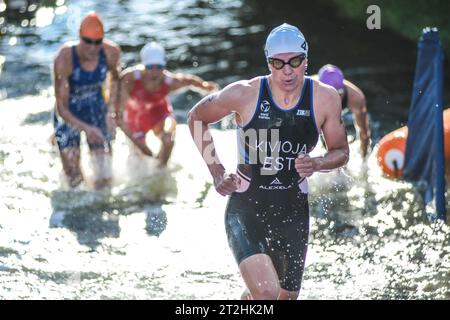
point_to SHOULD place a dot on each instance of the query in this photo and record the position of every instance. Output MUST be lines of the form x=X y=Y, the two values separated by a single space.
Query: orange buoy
x=391 y=152
x=447 y=134
x=391 y=148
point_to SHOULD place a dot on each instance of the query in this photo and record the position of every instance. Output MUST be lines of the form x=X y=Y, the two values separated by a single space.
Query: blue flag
x=424 y=156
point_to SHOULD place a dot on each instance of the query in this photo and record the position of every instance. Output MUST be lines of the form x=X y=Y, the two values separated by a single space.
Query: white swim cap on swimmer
x=153 y=53
x=285 y=38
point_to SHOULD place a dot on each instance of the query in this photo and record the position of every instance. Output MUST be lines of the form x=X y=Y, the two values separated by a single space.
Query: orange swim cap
x=92 y=26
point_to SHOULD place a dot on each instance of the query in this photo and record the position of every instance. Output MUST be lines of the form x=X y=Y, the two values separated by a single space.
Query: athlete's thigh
x=245 y=233
x=259 y=274
x=289 y=254
x=247 y=238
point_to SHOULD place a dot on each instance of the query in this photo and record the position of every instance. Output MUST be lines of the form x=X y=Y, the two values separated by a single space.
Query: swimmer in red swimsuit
x=144 y=104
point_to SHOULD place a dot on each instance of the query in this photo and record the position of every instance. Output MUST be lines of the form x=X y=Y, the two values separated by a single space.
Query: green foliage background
x=405 y=17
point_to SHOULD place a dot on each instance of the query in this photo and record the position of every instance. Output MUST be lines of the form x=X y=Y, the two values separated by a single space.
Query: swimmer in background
x=352 y=98
x=80 y=73
x=144 y=105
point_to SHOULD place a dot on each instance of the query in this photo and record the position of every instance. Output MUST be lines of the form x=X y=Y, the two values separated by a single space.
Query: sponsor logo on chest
x=264 y=107
x=303 y=113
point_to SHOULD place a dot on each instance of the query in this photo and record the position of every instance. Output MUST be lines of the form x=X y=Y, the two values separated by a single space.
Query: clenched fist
x=304 y=165
x=226 y=184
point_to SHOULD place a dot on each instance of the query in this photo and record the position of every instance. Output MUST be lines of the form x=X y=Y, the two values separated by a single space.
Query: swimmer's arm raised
x=188 y=80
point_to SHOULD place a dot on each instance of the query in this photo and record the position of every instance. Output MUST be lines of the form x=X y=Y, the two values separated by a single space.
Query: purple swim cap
x=332 y=75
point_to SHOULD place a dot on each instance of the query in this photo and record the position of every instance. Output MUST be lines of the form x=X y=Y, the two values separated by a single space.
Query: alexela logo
x=304 y=113
x=276 y=182
x=265 y=106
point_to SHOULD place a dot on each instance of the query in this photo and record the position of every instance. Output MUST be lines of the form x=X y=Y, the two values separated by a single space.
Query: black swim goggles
x=294 y=62
x=97 y=42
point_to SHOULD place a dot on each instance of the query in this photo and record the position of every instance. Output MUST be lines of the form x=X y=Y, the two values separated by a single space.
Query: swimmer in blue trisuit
x=352 y=98
x=280 y=117
x=80 y=70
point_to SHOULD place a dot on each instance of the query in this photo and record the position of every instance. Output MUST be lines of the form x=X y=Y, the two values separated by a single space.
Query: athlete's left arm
x=329 y=121
x=189 y=80
x=113 y=53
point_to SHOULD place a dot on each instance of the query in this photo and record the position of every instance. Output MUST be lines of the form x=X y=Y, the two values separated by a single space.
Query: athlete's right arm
x=211 y=109
x=62 y=70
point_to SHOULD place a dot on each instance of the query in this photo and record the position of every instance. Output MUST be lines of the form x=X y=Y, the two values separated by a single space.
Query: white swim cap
x=285 y=38
x=153 y=53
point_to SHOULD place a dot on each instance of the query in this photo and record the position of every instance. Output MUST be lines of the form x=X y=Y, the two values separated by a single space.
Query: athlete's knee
x=170 y=125
x=71 y=164
x=268 y=293
x=101 y=164
x=288 y=295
